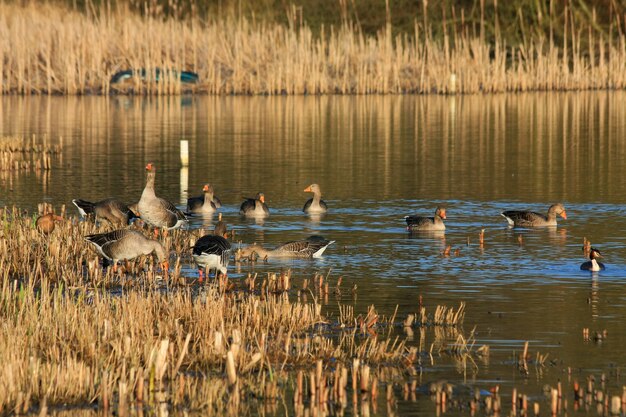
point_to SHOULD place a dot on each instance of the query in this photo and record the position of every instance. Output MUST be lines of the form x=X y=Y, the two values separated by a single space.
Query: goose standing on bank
x=315 y=204
x=593 y=265
x=157 y=211
x=311 y=247
x=254 y=207
x=213 y=251
x=206 y=203
x=113 y=211
x=421 y=223
x=125 y=244
x=517 y=218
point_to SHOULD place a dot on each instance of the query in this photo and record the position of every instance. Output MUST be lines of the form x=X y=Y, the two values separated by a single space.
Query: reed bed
x=50 y=49
x=73 y=333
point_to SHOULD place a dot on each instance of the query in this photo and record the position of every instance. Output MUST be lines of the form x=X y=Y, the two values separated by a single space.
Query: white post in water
x=184 y=184
x=184 y=170
x=184 y=153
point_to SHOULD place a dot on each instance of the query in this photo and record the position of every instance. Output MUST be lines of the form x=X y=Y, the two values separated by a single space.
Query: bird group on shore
x=210 y=252
x=213 y=251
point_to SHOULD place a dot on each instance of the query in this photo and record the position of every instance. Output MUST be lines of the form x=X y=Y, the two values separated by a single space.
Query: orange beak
x=149 y=166
x=165 y=265
x=443 y=214
x=564 y=215
x=262 y=199
x=308 y=189
x=205 y=188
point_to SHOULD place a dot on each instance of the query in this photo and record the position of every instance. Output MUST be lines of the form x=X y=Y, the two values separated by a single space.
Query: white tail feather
x=319 y=253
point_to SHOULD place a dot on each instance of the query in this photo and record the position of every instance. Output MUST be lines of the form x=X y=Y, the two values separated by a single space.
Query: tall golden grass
x=51 y=49
x=72 y=335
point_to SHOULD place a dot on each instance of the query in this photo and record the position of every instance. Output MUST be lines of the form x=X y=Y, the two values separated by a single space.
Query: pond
x=378 y=159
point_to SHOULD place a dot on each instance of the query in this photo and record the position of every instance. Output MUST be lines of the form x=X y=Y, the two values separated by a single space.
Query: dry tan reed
x=155 y=340
x=50 y=49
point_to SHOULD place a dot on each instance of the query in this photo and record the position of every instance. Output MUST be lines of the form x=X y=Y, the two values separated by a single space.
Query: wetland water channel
x=378 y=159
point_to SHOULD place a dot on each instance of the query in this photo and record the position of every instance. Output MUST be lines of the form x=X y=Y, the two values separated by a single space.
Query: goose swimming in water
x=254 y=207
x=311 y=247
x=517 y=218
x=593 y=265
x=419 y=223
x=315 y=204
x=206 y=203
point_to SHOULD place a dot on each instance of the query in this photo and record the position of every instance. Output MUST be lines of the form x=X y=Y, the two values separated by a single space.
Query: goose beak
x=308 y=189
x=165 y=266
x=564 y=215
x=262 y=199
x=205 y=188
x=149 y=166
x=443 y=214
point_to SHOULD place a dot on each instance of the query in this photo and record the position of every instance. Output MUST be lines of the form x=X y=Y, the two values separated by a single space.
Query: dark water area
x=378 y=159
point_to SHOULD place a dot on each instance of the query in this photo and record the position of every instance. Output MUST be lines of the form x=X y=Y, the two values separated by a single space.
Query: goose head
x=313 y=188
x=558 y=209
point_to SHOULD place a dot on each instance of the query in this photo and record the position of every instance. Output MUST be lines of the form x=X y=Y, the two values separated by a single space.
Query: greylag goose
x=255 y=207
x=206 y=203
x=418 y=223
x=311 y=247
x=46 y=223
x=213 y=251
x=593 y=265
x=158 y=211
x=532 y=219
x=125 y=244
x=315 y=204
x=110 y=209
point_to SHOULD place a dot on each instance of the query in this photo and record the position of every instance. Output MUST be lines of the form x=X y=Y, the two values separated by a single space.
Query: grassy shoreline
x=51 y=49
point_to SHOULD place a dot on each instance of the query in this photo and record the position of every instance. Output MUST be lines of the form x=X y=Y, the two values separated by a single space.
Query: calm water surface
x=378 y=159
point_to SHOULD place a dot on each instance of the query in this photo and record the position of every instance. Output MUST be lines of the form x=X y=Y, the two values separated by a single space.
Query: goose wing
x=248 y=204
x=106 y=243
x=523 y=218
x=417 y=221
x=194 y=203
x=305 y=248
x=173 y=214
x=213 y=245
x=307 y=204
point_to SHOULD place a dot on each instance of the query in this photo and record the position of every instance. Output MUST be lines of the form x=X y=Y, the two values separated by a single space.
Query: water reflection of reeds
x=543 y=147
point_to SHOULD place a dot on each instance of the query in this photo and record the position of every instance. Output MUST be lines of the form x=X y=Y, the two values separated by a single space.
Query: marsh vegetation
x=445 y=48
